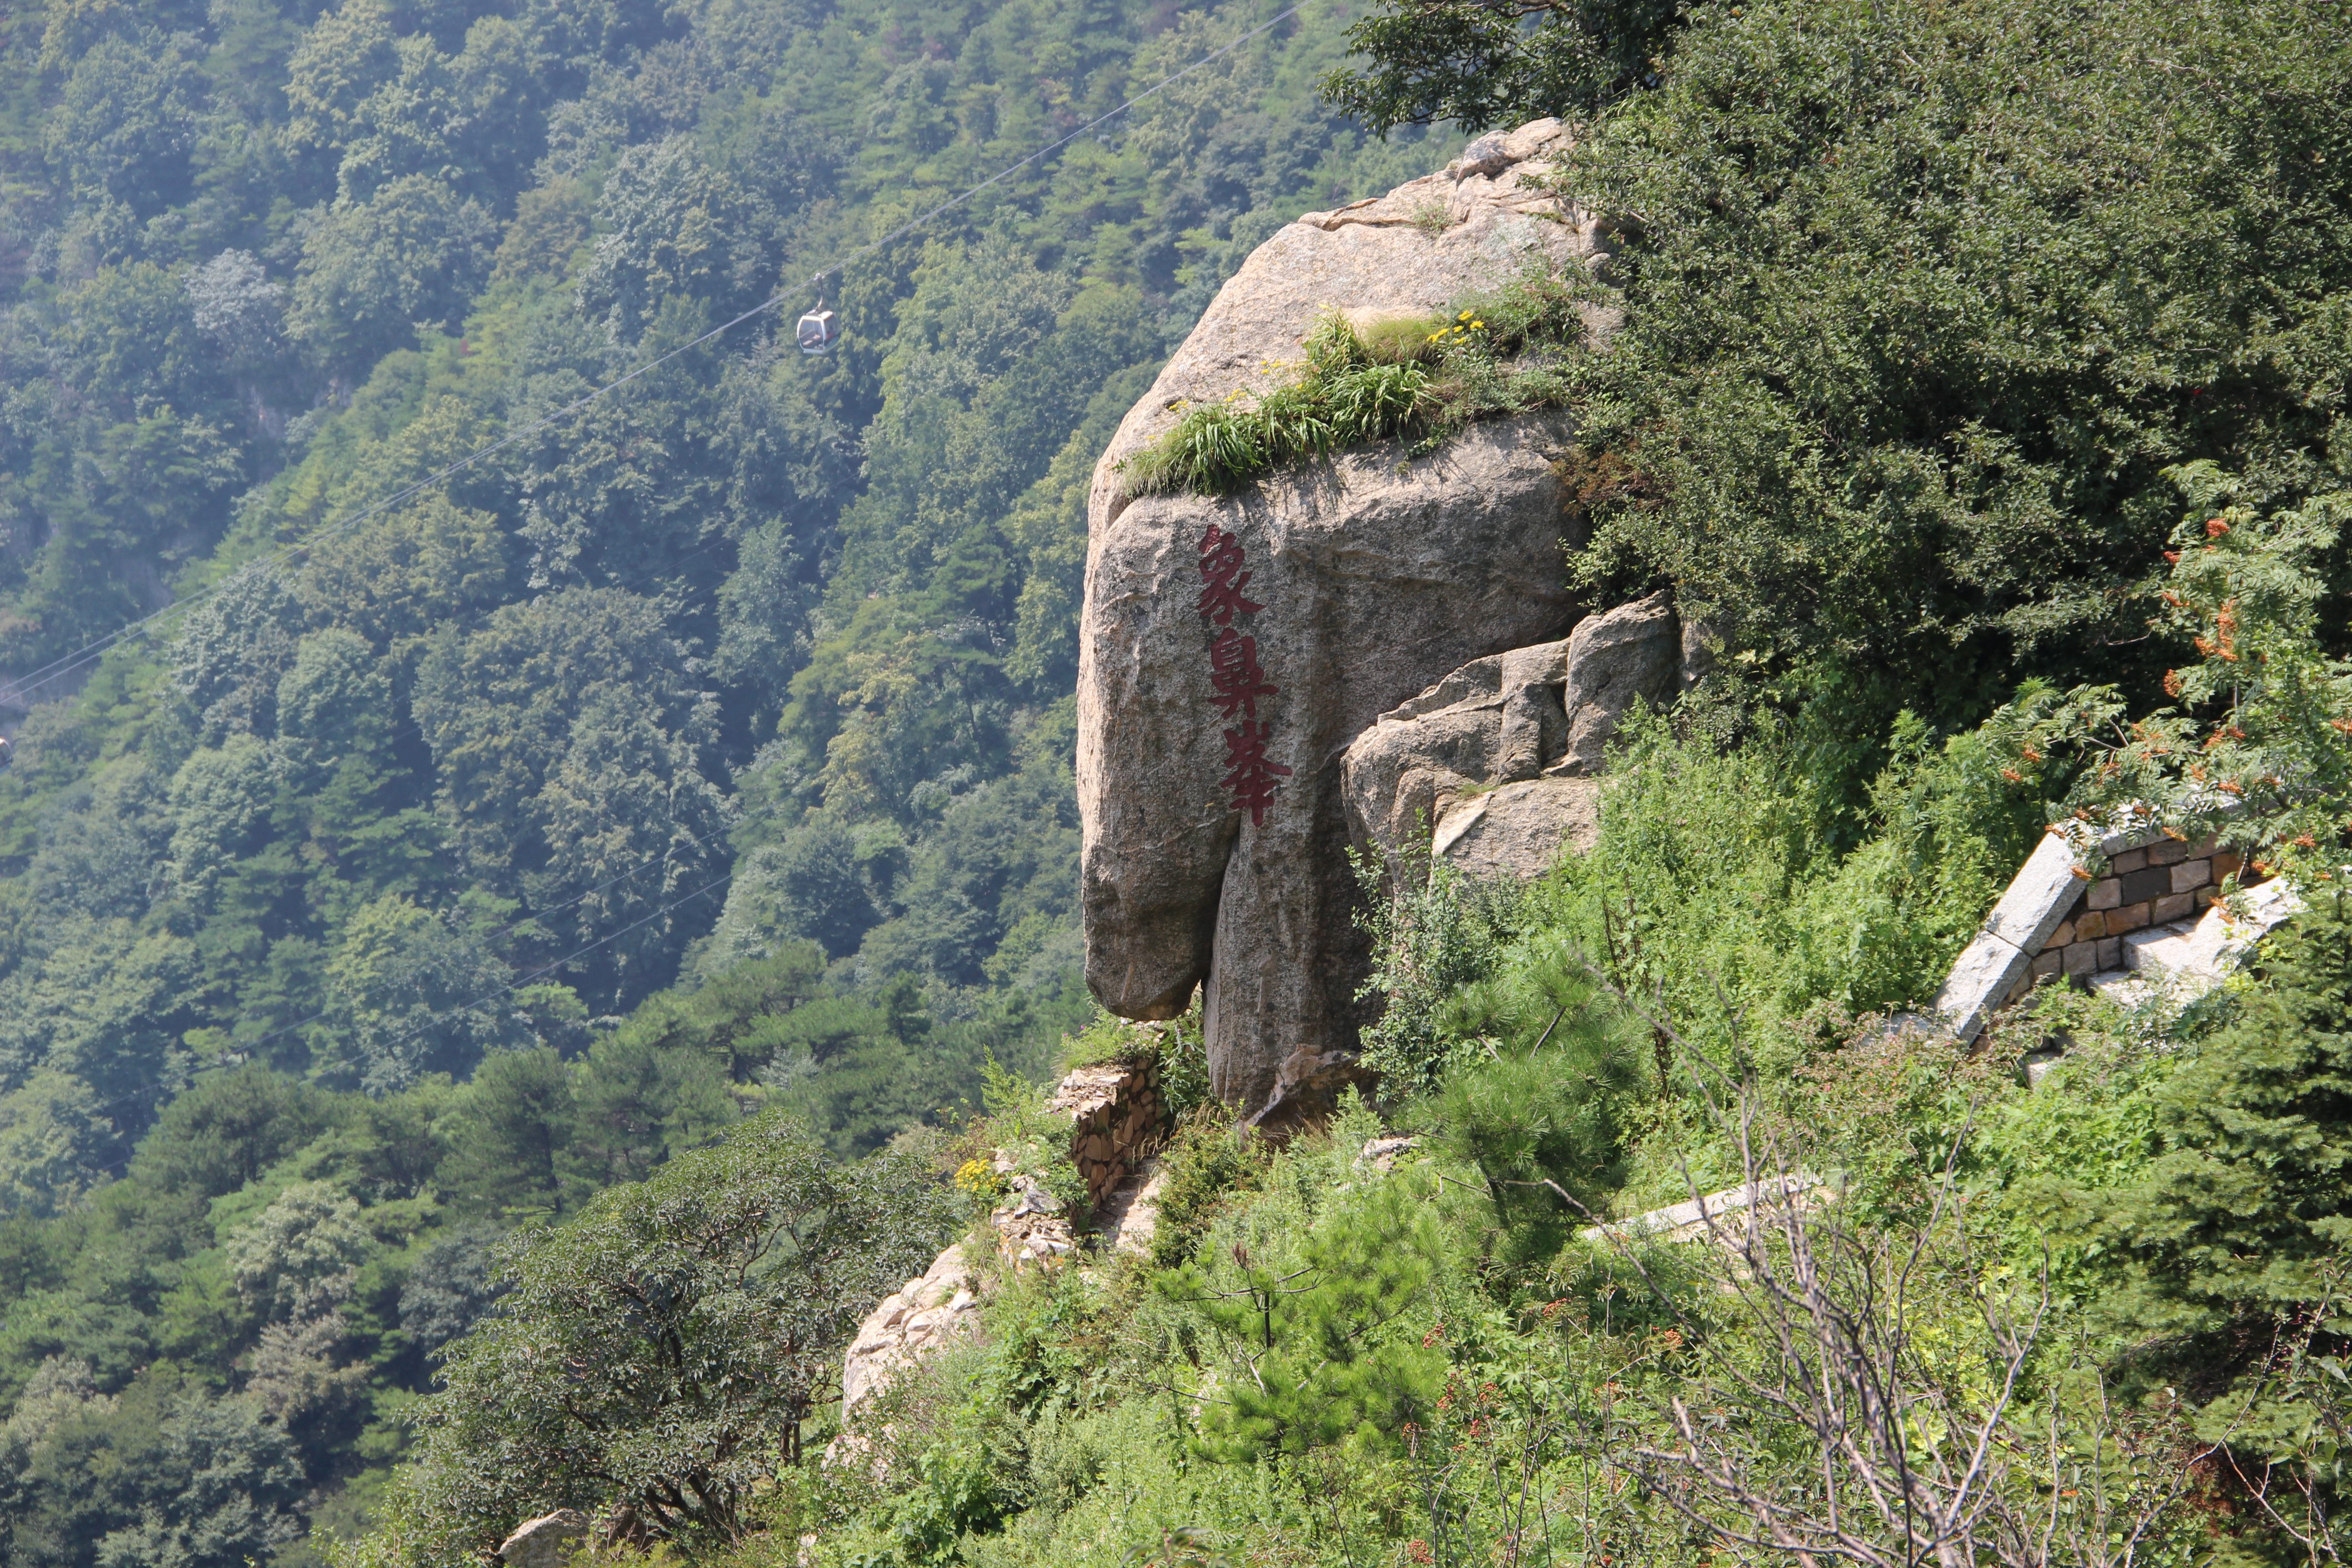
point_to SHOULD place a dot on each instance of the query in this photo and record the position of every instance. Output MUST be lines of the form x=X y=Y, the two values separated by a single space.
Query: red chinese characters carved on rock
x=1234 y=675
x=1223 y=579
x=1236 y=680
x=1250 y=774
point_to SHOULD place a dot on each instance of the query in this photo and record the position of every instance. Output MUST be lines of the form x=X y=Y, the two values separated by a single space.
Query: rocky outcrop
x=1130 y=1218
x=920 y=1317
x=1033 y=1225
x=1306 y=1087
x=548 y=1541
x=1632 y=654
x=1117 y=1119
x=1399 y=776
x=1491 y=767
x=1208 y=764
x=1519 y=830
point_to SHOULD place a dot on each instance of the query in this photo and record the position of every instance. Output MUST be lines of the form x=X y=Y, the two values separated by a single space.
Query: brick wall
x=2161 y=882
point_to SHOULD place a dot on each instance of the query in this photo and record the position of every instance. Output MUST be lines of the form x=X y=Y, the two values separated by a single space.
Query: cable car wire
x=67 y=663
x=446 y=1013
x=245 y=1051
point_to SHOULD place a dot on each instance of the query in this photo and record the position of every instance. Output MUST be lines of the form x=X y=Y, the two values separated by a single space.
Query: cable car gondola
x=819 y=330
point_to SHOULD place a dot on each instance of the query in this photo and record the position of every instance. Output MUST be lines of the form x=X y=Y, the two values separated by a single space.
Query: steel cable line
x=66 y=663
x=480 y=945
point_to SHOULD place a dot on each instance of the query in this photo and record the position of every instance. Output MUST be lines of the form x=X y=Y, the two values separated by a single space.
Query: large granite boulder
x=1520 y=829
x=1232 y=648
x=1491 y=768
x=550 y=1540
x=1632 y=654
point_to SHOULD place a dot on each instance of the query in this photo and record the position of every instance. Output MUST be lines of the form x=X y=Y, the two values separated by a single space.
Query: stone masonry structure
x=1119 y=1119
x=1231 y=648
x=2164 y=880
x=2057 y=920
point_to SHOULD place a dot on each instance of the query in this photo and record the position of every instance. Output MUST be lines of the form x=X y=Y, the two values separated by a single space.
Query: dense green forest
x=500 y=969
x=1984 y=385
x=703 y=751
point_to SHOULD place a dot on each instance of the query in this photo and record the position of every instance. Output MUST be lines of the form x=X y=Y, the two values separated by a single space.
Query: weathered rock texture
x=1119 y=1117
x=1130 y=1217
x=1520 y=829
x=1631 y=654
x=548 y=1541
x=1490 y=768
x=1373 y=577
x=918 y=1319
x=1032 y=1226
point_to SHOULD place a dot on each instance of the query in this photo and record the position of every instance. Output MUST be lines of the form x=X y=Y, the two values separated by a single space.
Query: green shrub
x=1313 y=1352
x=1434 y=932
x=1022 y=1123
x=1176 y=1046
x=657 y=1357
x=1912 y=327
x=1540 y=1112
x=1742 y=895
x=1208 y=1162
x=2252 y=1191
x=2257 y=742
x=1403 y=339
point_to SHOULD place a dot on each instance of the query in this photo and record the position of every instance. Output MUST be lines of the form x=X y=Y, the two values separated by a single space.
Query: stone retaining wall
x=1119 y=1120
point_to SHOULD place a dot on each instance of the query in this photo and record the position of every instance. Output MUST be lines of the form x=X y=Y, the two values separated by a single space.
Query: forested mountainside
x=1970 y=442
x=704 y=750
x=514 y=964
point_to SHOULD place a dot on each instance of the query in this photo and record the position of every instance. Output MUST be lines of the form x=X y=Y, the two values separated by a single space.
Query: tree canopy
x=450 y=852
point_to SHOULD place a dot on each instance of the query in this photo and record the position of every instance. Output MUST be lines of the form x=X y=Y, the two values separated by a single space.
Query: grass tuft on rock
x=1409 y=376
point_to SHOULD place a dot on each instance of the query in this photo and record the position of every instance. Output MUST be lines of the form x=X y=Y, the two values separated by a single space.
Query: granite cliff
x=1215 y=817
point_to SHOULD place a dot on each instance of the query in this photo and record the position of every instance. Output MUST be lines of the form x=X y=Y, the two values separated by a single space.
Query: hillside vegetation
x=1983 y=386
x=489 y=1004
x=702 y=752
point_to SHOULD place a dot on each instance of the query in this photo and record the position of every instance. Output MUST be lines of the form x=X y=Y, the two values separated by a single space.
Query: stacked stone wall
x=1119 y=1120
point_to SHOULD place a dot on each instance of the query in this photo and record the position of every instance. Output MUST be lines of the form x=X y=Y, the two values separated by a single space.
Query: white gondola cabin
x=818 y=331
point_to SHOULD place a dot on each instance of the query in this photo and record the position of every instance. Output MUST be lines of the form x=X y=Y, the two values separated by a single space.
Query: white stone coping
x=2032 y=906
x=1681 y=1221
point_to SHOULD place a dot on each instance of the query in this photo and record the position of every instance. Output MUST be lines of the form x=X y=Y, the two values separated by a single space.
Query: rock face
x=914 y=1320
x=1520 y=829
x=1491 y=767
x=1347 y=587
x=548 y=1541
x=1631 y=654
x=1119 y=1117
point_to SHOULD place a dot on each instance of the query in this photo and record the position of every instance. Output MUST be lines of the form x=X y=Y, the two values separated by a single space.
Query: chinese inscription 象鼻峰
x=1236 y=680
